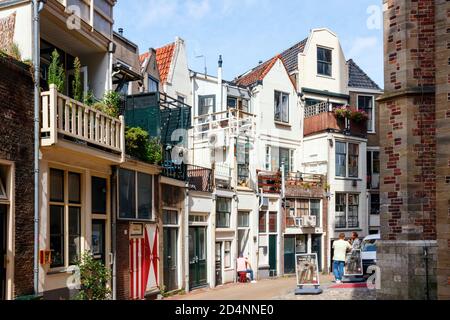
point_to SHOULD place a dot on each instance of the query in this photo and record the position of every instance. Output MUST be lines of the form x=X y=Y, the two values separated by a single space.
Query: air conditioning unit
x=299 y=222
x=309 y=222
x=218 y=139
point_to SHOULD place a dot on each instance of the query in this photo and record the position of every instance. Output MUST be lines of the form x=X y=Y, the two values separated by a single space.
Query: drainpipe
x=114 y=231
x=37 y=8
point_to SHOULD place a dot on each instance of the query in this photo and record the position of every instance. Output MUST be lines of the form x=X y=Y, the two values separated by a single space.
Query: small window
x=56 y=185
x=273 y=222
x=206 y=105
x=145 y=196
x=341 y=207
x=244 y=220
x=74 y=188
x=99 y=195
x=170 y=217
x=262 y=222
x=341 y=159
x=227 y=254
x=153 y=85
x=3 y=195
x=223 y=213
x=281 y=107
x=366 y=104
x=74 y=234
x=353 y=209
x=375 y=204
x=127 y=194
x=324 y=62
x=232 y=103
x=353 y=160
x=181 y=100
x=315 y=211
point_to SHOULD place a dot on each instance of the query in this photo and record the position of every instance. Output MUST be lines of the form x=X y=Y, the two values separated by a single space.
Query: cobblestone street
x=277 y=289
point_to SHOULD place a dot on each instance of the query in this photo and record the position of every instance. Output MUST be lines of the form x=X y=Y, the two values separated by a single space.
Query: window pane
x=74 y=188
x=340 y=211
x=376 y=162
x=365 y=103
x=57 y=235
x=285 y=157
x=99 y=194
x=353 y=208
x=227 y=257
x=243 y=220
x=74 y=234
x=223 y=220
x=353 y=159
x=277 y=103
x=315 y=210
x=273 y=222
x=56 y=185
x=144 y=196
x=374 y=203
x=262 y=222
x=152 y=85
x=170 y=217
x=303 y=208
x=341 y=159
x=285 y=108
x=127 y=194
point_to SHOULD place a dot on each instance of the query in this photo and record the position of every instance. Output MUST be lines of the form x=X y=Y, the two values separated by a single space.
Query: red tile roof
x=260 y=72
x=257 y=74
x=164 y=58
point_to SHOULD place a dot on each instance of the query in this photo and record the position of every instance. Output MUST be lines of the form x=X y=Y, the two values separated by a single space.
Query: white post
x=53 y=104
x=122 y=138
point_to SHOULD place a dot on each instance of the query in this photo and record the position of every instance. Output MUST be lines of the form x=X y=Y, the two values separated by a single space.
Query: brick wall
x=16 y=145
x=443 y=149
x=408 y=154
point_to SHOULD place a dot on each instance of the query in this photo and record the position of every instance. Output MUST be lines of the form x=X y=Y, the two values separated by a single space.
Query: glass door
x=218 y=263
x=273 y=255
x=197 y=257
x=170 y=259
x=289 y=254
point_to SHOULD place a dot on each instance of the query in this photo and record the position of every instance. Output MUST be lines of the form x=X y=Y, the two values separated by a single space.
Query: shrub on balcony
x=110 y=104
x=76 y=84
x=56 y=73
x=139 y=145
x=359 y=116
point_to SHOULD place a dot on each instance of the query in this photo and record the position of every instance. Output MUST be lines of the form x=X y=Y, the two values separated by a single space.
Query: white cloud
x=197 y=9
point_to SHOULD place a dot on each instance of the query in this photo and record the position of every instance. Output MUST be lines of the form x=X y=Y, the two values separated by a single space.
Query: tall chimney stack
x=121 y=31
x=219 y=85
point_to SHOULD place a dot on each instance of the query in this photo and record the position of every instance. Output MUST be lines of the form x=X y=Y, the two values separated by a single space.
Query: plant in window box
x=342 y=112
x=359 y=116
x=56 y=72
x=94 y=277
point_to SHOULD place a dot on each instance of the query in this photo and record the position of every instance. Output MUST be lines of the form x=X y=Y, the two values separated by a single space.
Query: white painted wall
x=308 y=77
x=23 y=30
x=178 y=80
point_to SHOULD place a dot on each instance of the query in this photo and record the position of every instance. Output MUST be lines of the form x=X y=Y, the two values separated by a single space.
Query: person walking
x=356 y=242
x=340 y=247
x=243 y=265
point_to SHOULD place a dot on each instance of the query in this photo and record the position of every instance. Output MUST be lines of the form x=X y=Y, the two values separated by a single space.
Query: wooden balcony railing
x=327 y=121
x=64 y=117
x=269 y=182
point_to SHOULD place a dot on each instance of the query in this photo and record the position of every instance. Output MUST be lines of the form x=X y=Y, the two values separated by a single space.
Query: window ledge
x=57 y=271
x=284 y=124
x=326 y=77
x=224 y=229
x=347 y=229
x=348 y=179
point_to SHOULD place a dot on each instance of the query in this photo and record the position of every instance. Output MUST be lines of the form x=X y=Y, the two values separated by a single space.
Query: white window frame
x=347 y=158
x=347 y=194
x=3 y=194
x=322 y=61
x=373 y=110
x=268 y=158
x=282 y=93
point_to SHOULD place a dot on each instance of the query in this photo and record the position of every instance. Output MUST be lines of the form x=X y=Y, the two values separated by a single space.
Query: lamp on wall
x=331 y=142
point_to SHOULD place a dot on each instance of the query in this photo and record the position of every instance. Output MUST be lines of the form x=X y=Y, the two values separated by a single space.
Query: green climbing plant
x=139 y=145
x=76 y=83
x=56 y=72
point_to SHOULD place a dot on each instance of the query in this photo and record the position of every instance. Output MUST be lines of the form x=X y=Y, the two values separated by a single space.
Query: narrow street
x=278 y=289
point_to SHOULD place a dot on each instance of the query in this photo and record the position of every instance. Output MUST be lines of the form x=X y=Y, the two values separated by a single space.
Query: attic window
x=324 y=61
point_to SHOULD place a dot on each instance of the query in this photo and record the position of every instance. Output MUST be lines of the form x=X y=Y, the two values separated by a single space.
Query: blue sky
x=246 y=31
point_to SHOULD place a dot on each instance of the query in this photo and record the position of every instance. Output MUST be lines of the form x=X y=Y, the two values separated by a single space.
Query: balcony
x=300 y=185
x=321 y=118
x=223 y=175
x=63 y=118
x=220 y=127
x=197 y=178
x=269 y=182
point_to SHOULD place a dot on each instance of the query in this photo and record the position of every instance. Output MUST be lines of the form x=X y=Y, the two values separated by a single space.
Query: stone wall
x=7 y=26
x=443 y=148
x=16 y=145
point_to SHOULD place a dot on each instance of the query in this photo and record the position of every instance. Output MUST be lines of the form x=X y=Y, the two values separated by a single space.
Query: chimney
x=121 y=31
x=260 y=62
x=219 y=85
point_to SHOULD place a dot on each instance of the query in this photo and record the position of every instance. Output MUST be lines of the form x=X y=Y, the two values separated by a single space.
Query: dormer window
x=324 y=62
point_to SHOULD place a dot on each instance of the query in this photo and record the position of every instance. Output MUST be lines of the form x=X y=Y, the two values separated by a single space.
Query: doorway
x=316 y=247
x=219 y=280
x=197 y=257
x=170 y=258
x=3 y=251
x=273 y=255
x=98 y=240
x=289 y=255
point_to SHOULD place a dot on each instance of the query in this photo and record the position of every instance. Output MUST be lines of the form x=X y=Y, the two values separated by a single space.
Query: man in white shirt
x=243 y=265
x=341 y=247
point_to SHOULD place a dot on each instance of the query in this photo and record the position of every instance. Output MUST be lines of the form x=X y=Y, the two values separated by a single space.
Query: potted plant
x=359 y=116
x=342 y=112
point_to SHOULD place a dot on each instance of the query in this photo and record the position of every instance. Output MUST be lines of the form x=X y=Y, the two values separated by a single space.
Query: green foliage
x=94 y=279
x=14 y=51
x=139 y=145
x=110 y=104
x=359 y=116
x=89 y=98
x=56 y=73
x=76 y=84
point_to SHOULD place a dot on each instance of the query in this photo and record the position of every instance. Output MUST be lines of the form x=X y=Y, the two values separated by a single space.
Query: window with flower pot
x=65 y=217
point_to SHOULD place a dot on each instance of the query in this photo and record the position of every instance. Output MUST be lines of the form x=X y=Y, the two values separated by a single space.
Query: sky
x=247 y=31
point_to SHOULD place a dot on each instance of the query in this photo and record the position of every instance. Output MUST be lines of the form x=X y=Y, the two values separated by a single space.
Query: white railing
x=73 y=119
x=233 y=122
x=222 y=171
x=311 y=111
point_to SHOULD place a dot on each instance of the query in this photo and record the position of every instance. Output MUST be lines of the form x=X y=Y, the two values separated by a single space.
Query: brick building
x=16 y=178
x=414 y=253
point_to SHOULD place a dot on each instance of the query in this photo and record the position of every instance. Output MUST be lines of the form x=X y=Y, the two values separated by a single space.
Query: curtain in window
x=206 y=105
